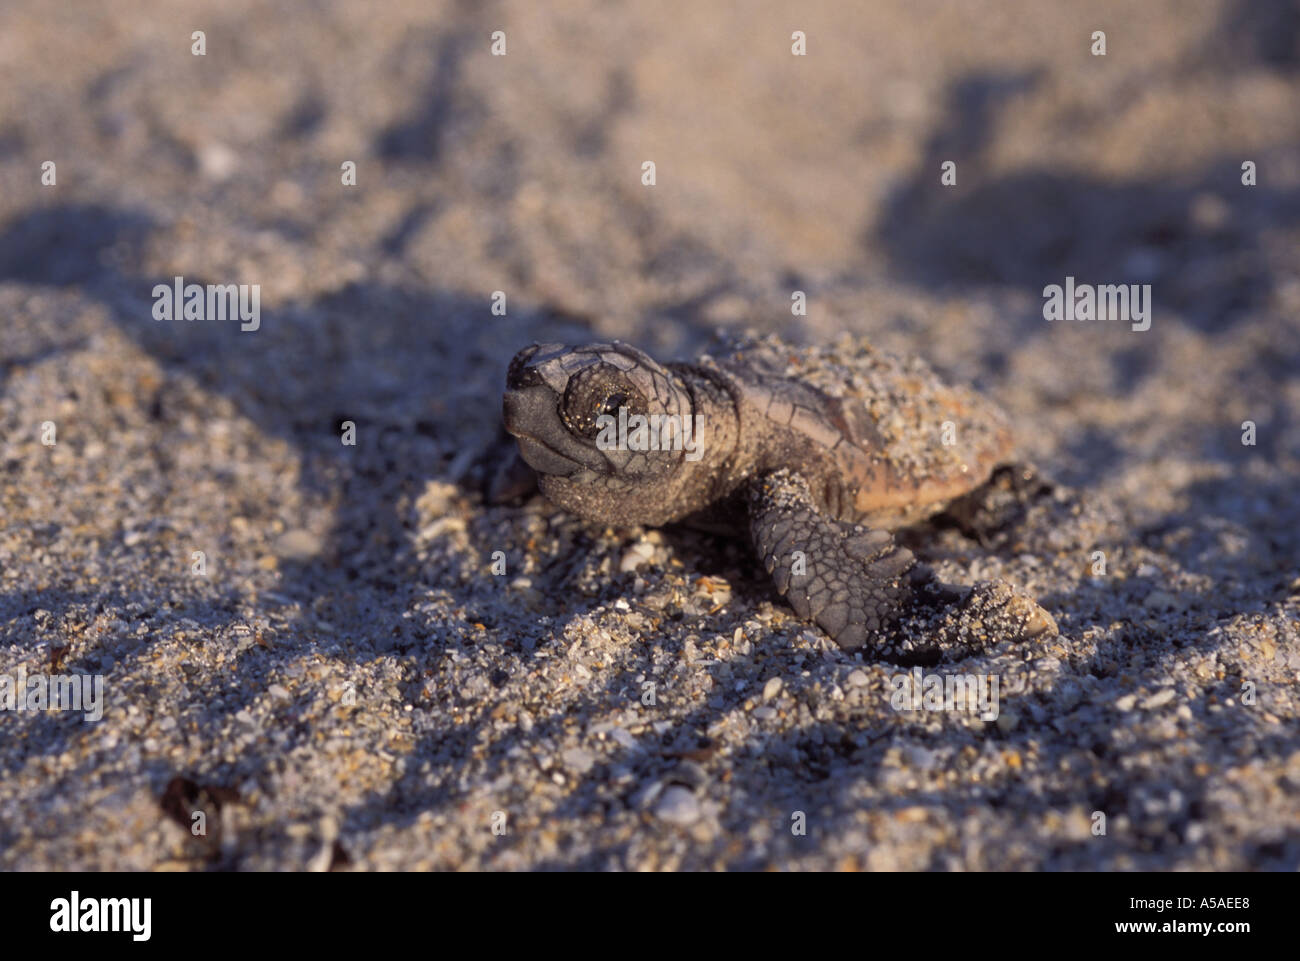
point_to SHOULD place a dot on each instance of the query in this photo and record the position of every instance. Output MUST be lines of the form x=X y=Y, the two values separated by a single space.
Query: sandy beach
x=344 y=656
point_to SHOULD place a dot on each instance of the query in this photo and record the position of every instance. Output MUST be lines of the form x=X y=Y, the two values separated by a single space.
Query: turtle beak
x=544 y=460
x=529 y=415
x=528 y=410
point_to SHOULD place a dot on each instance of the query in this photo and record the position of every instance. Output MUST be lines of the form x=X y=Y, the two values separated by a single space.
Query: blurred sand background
x=350 y=687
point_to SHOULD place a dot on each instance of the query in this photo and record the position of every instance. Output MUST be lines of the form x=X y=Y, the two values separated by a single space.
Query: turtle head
x=610 y=432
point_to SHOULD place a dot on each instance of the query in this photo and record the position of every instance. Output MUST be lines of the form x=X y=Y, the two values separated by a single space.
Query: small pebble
x=638 y=555
x=297 y=545
x=578 y=759
x=623 y=737
x=677 y=805
x=1159 y=699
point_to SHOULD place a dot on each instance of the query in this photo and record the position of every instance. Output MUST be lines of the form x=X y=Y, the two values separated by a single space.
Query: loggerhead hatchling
x=816 y=453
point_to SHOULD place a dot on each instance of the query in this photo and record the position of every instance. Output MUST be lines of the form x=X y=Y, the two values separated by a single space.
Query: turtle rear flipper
x=861 y=587
x=994 y=509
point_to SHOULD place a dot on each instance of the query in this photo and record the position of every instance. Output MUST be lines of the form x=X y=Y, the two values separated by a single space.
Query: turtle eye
x=613 y=402
x=594 y=392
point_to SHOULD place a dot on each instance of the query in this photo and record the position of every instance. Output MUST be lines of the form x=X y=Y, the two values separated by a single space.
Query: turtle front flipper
x=861 y=588
x=853 y=582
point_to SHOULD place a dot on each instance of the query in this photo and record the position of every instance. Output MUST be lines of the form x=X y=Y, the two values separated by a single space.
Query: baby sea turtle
x=815 y=453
